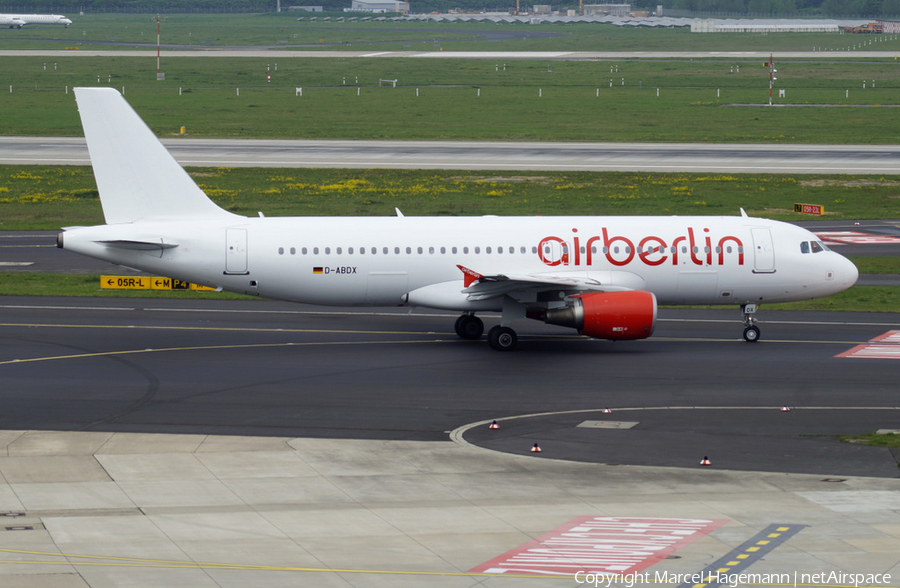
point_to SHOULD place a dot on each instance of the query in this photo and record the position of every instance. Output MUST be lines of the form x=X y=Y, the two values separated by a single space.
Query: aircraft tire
x=502 y=339
x=469 y=326
x=751 y=334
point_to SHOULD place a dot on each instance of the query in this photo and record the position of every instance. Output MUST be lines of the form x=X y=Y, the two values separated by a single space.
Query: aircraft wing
x=482 y=287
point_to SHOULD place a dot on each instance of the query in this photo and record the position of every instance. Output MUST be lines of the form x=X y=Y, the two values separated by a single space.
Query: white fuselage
x=380 y=261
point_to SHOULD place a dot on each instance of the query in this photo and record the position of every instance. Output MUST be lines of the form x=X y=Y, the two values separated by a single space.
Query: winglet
x=469 y=276
x=743 y=213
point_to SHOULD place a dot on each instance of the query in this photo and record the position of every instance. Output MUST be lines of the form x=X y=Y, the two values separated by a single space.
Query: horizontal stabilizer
x=138 y=179
x=133 y=245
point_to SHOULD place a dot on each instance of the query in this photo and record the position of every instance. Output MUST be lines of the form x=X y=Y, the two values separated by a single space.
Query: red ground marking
x=889 y=337
x=886 y=346
x=612 y=545
x=856 y=238
x=873 y=352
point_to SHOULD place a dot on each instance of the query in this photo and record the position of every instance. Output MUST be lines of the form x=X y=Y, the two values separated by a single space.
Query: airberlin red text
x=650 y=250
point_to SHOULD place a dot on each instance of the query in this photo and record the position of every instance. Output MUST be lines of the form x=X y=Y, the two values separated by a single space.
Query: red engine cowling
x=618 y=316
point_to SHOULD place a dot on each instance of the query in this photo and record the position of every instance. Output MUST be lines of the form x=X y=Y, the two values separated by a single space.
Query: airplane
x=601 y=275
x=17 y=21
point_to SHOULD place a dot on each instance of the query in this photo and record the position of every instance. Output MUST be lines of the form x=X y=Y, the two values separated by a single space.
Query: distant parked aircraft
x=17 y=21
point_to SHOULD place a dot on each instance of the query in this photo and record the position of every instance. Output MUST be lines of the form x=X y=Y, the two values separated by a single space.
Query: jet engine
x=618 y=316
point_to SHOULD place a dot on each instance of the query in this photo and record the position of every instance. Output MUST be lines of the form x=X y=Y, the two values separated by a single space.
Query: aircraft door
x=236 y=251
x=763 y=252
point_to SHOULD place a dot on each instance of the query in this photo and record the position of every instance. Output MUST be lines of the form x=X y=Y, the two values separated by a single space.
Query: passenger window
x=804 y=247
x=817 y=247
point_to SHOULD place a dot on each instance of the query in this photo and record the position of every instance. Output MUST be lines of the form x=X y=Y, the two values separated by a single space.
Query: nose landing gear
x=751 y=331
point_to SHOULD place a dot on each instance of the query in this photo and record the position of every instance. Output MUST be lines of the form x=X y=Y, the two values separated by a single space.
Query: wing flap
x=520 y=286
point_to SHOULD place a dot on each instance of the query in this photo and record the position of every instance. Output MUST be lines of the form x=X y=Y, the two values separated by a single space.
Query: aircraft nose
x=846 y=273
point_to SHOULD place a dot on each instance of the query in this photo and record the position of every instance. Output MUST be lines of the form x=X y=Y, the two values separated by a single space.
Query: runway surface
x=651 y=157
x=268 y=368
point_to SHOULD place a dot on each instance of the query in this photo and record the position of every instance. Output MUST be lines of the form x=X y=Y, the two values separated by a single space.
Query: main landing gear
x=502 y=338
x=751 y=331
x=469 y=326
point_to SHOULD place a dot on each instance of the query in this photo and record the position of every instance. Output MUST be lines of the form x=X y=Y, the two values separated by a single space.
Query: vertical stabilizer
x=137 y=177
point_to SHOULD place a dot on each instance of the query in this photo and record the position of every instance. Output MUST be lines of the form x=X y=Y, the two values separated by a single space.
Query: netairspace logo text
x=734 y=580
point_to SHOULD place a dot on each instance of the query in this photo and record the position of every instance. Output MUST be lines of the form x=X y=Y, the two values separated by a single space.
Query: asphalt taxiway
x=269 y=368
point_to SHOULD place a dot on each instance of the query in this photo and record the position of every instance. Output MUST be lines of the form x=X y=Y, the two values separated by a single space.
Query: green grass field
x=49 y=197
x=652 y=101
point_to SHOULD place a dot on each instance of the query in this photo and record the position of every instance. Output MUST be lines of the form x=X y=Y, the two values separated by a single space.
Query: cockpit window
x=817 y=246
x=804 y=247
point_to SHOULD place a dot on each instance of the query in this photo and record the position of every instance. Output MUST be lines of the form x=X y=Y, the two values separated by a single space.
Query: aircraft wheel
x=469 y=326
x=751 y=334
x=502 y=339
